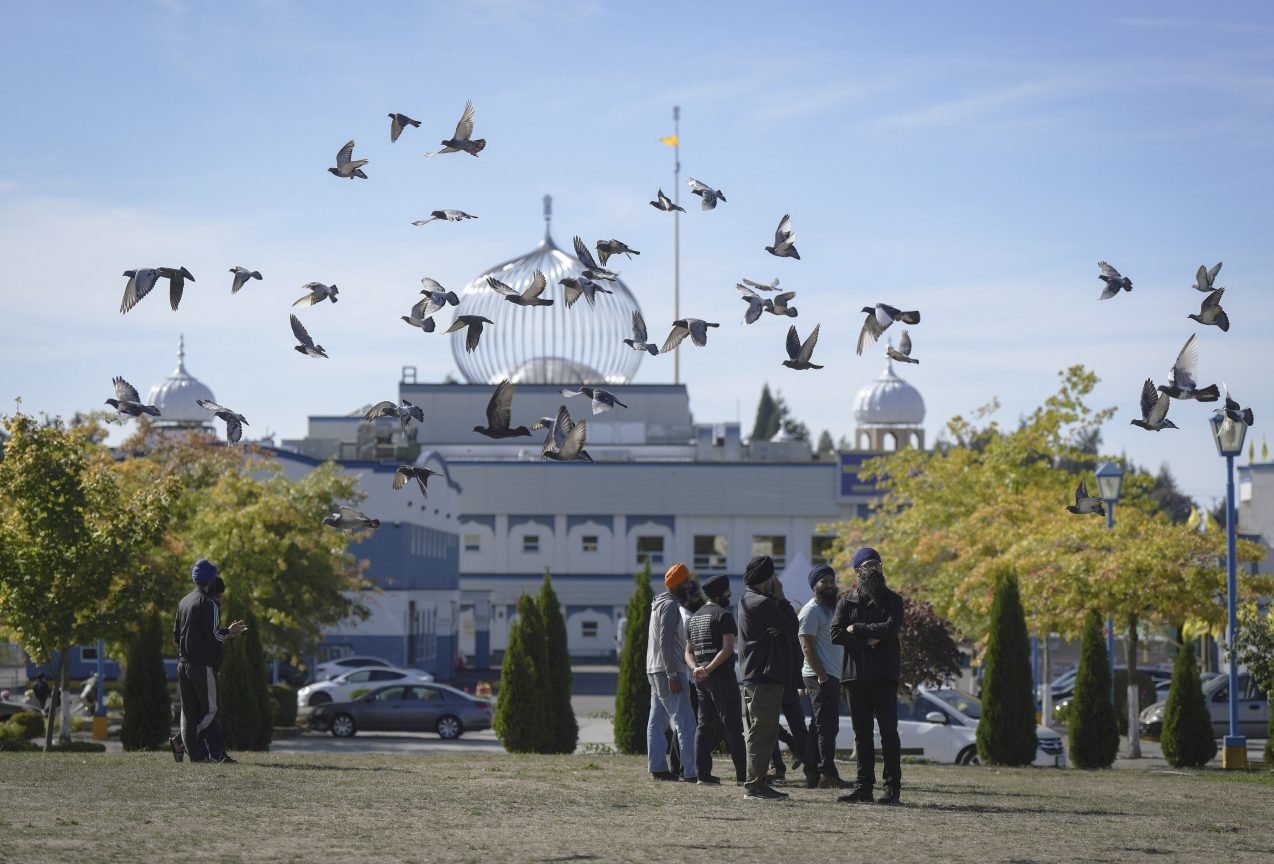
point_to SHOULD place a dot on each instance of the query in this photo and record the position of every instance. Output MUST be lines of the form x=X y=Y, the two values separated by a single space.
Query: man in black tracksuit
x=199 y=636
x=866 y=623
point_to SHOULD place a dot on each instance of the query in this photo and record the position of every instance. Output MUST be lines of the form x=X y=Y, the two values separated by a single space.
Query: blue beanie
x=865 y=554
x=203 y=572
x=819 y=572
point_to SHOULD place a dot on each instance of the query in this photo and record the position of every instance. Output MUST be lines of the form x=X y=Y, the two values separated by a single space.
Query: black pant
x=878 y=700
x=796 y=738
x=820 y=750
x=720 y=702
x=201 y=733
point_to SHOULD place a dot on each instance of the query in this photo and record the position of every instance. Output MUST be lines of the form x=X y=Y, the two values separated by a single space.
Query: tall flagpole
x=676 y=235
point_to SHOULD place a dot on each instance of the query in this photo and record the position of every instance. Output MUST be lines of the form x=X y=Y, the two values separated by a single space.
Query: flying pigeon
x=234 y=422
x=436 y=298
x=756 y=304
x=1234 y=412
x=762 y=286
x=1114 y=282
x=695 y=328
x=241 y=277
x=176 y=277
x=779 y=305
x=603 y=400
x=638 y=342
x=445 y=216
x=798 y=353
x=499 y=414
x=1183 y=379
x=529 y=297
x=607 y=248
x=348 y=519
x=424 y=322
x=140 y=283
x=399 y=122
x=784 y=240
x=410 y=411
x=879 y=317
x=318 y=292
x=709 y=195
x=463 y=139
x=1154 y=409
x=346 y=165
x=386 y=408
x=307 y=346
x=1204 y=278
x=1084 y=503
x=1210 y=311
x=474 y=323
x=583 y=286
x=903 y=353
x=559 y=428
x=591 y=268
x=414 y=472
x=127 y=402
x=565 y=441
x=665 y=203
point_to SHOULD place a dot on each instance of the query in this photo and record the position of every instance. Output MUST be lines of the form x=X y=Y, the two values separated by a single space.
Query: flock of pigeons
x=564 y=440
x=1183 y=378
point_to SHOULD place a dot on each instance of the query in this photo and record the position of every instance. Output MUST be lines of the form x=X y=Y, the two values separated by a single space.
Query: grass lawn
x=288 y=807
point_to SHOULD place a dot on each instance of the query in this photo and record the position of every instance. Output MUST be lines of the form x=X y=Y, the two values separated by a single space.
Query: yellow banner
x=671 y=140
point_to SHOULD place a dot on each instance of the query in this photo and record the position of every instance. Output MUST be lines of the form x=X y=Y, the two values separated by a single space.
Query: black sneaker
x=224 y=760
x=860 y=795
x=776 y=777
x=178 y=749
x=764 y=793
x=709 y=780
x=664 y=775
x=811 y=781
x=891 y=795
x=834 y=783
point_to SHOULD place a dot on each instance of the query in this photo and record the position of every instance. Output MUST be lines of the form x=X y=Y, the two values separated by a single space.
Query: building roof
x=889 y=401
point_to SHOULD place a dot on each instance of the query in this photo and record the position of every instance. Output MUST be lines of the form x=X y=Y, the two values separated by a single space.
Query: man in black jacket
x=866 y=623
x=767 y=631
x=712 y=633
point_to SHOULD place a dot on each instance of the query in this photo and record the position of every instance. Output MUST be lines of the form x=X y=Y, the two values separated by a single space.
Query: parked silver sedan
x=406 y=708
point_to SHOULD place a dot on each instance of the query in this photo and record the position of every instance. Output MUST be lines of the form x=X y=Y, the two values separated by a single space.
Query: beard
x=873 y=585
x=826 y=596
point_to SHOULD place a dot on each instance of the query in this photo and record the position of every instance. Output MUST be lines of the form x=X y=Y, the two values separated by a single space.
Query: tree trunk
x=1134 y=692
x=1046 y=698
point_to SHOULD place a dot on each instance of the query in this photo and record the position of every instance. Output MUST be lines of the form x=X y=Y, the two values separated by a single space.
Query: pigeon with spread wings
x=234 y=421
x=695 y=328
x=784 y=240
x=607 y=248
x=879 y=318
x=529 y=297
x=1114 y=282
x=349 y=520
x=798 y=353
x=463 y=139
x=709 y=195
x=317 y=292
x=1154 y=409
x=241 y=277
x=638 y=342
x=500 y=415
x=445 y=216
x=399 y=122
x=1210 y=312
x=903 y=352
x=127 y=401
x=1084 y=503
x=420 y=474
x=1183 y=380
x=346 y=165
x=140 y=283
x=1204 y=279
x=307 y=346
x=756 y=304
x=592 y=270
x=664 y=203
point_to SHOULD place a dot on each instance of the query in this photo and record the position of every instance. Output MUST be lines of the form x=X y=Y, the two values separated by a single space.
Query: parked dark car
x=406 y=708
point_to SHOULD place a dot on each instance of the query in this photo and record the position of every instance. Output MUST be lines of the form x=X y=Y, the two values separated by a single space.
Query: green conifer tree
x=767 y=419
x=147 y=717
x=245 y=710
x=1186 y=738
x=521 y=710
x=1006 y=732
x=1094 y=733
x=632 y=698
x=565 y=730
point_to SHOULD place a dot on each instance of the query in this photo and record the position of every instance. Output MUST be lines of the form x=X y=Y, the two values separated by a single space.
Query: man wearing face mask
x=712 y=635
x=866 y=624
x=767 y=626
x=669 y=678
x=824 y=660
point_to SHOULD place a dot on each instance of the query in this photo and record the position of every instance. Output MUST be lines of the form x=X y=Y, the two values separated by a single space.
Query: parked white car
x=339 y=666
x=342 y=687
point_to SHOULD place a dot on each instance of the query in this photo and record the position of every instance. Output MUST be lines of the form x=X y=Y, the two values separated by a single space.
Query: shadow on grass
x=995 y=808
x=305 y=766
x=978 y=790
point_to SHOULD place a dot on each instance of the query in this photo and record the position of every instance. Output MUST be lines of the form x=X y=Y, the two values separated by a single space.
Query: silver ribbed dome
x=176 y=395
x=889 y=401
x=550 y=344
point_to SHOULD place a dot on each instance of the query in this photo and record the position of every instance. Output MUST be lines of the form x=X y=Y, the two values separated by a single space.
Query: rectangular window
x=710 y=553
x=821 y=550
x=774 y=545
x=588 y=630
x=650 y=550
x=88 y=655
x=589 y=542
x=473 y=542
x=530 y=544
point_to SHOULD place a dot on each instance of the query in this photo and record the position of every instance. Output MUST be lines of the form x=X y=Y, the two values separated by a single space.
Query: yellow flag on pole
x=671 y=140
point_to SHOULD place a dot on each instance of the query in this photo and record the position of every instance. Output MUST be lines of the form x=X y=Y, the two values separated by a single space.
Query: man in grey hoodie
x=669 y=679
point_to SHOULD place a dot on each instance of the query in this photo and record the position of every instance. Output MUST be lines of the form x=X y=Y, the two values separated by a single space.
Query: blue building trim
x=480 y=519
x=409 y=556
x=374 y=466
x=669 y=522
x=604 y=611
x=607 y=522
x=517 y=521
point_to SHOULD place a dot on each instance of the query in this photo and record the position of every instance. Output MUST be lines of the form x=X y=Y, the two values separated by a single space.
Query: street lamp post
x=1229 y=436
x=1110 y=482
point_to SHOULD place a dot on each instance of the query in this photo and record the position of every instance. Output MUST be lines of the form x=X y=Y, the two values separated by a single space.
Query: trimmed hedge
x=522 y=711
x=632 y=699
x=146 y=703
x=563 y=728
x=1006 y=732
x=284 y=698
x=1187 y=738
x=1094 y=733
x=28 y=724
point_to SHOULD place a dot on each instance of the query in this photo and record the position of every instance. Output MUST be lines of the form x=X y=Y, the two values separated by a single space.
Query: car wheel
x=319 y=698
x=343 y=726
x=969 y=756
x=449 y=727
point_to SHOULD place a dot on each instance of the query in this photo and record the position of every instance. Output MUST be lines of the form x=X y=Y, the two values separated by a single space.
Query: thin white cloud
x=974 y=108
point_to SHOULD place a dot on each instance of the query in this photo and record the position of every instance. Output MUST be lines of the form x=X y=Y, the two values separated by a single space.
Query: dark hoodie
x=873 y=620
x=764 y=658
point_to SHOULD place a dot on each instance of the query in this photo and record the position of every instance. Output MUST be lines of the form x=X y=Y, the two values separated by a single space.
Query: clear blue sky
x=970 y=160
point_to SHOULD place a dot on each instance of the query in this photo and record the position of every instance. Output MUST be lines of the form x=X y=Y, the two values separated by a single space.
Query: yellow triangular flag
x=1195 y=519
x=671 y=140
x=1265 y=450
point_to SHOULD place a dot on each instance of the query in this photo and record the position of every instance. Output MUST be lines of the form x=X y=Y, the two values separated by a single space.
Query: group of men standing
x=837 y=643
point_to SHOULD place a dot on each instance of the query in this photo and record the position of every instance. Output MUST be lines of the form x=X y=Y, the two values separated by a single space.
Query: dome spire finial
x=181 y=353
x=548 y=217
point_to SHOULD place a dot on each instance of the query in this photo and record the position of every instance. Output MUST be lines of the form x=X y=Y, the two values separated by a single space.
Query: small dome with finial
x=176 y=396
x=889 y=401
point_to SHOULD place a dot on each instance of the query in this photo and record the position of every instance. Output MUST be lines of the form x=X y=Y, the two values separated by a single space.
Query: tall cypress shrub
x=246 y=712
x=147 y=721
x=632 y=698
x=1186 y=738
x=1006 y=732
x=563 y=727
x=521 y=708
x=1094 y=733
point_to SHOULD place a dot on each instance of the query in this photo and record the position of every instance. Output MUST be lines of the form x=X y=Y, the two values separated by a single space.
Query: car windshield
x=966 y=703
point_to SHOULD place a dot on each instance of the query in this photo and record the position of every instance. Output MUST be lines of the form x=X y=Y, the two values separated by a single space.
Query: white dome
x=889 y=401
x=176 y=395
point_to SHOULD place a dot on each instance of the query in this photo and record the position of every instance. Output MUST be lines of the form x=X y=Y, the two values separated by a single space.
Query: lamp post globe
x=1228 y=437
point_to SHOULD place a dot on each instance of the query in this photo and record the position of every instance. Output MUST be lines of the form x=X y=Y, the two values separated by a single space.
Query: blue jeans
x=664 y=706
